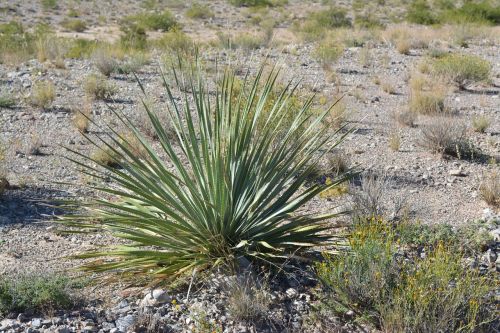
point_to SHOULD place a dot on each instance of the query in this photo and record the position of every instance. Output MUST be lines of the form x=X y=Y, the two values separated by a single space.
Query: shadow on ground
x=30 y=204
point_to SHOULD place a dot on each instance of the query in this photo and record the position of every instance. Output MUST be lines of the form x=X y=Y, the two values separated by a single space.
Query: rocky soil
x=436 y=190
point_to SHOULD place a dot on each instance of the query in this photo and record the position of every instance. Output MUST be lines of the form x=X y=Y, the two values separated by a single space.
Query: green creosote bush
x=258 y=3
x=317 y=23
x=426 y=12
x=437 y=293
x=199 y=11
x=74 y=25
x=462 y=69
x=39 y=294
x=81 y=48
x=133 y=37
x=163 y=21
x=229 y=191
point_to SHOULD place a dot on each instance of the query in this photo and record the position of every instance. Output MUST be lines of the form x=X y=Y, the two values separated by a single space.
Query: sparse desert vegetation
x=249 y=166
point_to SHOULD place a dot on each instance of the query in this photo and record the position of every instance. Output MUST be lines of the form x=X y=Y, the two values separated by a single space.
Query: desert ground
x=428 y=138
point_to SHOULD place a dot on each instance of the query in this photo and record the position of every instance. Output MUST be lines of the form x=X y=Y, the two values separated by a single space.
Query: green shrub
x=74 y=25
x=470 y=239
x=439 y=295
x=163 y=21
x=434 y=294
x=133 y=37
x=7 y=101
x=11 y=28
x=421 y=13
x=258 y=3
x=16 y=45
x=481 y=12
x=365 y=275
x=80 y=48
x=317 y=23
x=327 y=53
x=199 y=11
x=237 y=196
x=462 y=69
x=367 y=22
x=176 y=42
x=49 y=4
x=133 y=63
x=35 y=293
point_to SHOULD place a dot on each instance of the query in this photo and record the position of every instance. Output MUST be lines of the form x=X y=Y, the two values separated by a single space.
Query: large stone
x=155 y=298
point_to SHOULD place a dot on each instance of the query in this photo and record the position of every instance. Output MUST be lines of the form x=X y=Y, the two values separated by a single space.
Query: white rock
x=291 y=292
x=155 y=297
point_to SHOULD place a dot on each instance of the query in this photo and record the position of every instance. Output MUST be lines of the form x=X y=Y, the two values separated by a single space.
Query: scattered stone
x=123 y=323
x=457 y=173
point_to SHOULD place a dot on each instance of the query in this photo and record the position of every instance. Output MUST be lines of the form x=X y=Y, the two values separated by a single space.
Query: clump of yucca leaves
x=225 y=187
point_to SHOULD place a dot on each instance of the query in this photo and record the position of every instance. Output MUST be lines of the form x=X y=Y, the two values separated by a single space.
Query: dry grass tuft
x=43 y=94
x=490 y=189
x=427 y=96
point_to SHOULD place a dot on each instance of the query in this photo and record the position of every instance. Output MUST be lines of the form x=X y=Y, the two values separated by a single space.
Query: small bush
x=434 y=294
x=331 y=18
x=133 y=63
x=427 y=96
x=199 y=11
x=421 y=13
x=406 y=118
x=80 y=48
x=248 y=299
x=244 y=40
x=48 y=4
x=74 y=25
x=104 y=62
x=133 y=37
x=48 y=47
x=480 y=12
x=365 y=275
x=38 y=294
x=81 y=118
x=481 y=123
x=367 y=22
x=7 y=101
x=403 y=45
x=462 y=69
x=317 y=23
x=258 y=3
x=327 y=53
x=395 y=141
x=98 y=87
x=490 y=189
x=470 y=239
x=164 y=21
x=446 y=136
x=16 y=44
x=388 y=87
x=43 y=94
x=177 y=42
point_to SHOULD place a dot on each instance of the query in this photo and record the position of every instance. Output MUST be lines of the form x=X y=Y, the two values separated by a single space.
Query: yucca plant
x=223 y=188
